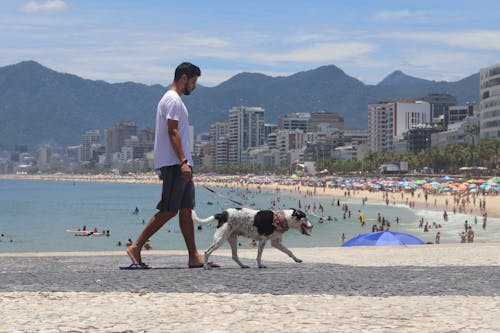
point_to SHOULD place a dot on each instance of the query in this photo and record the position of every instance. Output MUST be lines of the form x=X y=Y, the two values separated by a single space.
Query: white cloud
x=319 y=53
x=449 y=65
x=391 y=15
x=473 y=40
x=47 y=6
x=212 y=42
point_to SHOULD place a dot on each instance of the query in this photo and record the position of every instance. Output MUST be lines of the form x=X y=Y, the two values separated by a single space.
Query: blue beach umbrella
x=381 y=238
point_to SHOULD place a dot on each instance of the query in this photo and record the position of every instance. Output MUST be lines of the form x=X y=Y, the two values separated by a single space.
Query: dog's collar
x=279 y=221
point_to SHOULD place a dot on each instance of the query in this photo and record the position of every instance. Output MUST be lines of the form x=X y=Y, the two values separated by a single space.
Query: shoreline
x=435 y=202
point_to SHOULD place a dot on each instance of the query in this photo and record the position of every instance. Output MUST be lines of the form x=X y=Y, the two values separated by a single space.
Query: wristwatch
x=185 y=161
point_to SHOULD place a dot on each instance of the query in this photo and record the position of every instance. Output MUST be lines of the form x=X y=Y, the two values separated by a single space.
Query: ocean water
x=34 y=217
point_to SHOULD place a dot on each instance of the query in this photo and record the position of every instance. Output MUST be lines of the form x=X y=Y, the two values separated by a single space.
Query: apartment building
x=388 y=121
x=246 y=130
x=489 y=109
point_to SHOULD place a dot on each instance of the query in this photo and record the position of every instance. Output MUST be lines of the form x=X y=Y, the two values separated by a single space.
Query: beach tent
x=381 y=238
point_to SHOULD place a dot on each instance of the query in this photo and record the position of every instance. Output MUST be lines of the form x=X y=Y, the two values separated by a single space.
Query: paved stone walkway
x=170 y=274
x=89 y=294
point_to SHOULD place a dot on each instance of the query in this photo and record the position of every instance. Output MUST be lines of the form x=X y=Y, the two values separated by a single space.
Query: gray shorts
x=176 y=192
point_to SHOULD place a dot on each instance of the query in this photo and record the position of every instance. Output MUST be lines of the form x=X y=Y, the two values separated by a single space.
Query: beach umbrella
x=382 y=238
x=427 y=187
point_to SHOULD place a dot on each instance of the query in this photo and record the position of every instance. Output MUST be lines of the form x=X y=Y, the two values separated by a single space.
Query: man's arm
x=175 y=138
x=175 y=141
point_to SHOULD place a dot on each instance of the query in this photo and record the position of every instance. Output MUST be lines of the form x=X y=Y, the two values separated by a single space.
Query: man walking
x=173 y=158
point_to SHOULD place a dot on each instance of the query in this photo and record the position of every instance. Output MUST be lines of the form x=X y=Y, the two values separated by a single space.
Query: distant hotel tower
x=246 y=130
x=292 y=121
x=389 y=120
x=115 y=138
x=219 y=144
x=489 y=111
x=88 y=139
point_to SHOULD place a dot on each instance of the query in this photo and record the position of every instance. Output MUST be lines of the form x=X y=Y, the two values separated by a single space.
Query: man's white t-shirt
x=170 y=107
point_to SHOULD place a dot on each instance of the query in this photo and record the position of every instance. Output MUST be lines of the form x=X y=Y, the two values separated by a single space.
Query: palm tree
x=488 y=150
x=472 y=131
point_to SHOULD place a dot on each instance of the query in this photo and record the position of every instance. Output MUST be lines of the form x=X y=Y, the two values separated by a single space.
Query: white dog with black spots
x=260 y=225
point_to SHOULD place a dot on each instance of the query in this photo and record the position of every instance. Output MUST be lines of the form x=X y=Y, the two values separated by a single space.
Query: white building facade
x=389 y=120
x=246 y=130
x=489 y=109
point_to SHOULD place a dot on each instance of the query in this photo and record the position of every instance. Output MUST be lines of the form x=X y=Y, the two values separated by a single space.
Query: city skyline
x=117 y=42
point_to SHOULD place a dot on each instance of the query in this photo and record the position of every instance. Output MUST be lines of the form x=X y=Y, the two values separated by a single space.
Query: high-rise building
x=287 y=141
x=389 y=120
x=489 y=93
x=268 y=129
x=380 y=126
x=134 y=148
x=89 y=138
x=419 y=137
x=325 y=122
x=292 y=121
x=440 y=103
x=455 y=114
x=355 y=137
x=147 y=135
x=219 y=147
x=115 y=137
x=44 y=154
x=246 y=130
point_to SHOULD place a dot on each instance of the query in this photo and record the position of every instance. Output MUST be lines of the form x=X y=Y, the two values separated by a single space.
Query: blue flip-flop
x=133 y=266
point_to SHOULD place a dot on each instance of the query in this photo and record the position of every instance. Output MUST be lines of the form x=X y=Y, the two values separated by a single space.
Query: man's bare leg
x=155 y=223
x=187 y=229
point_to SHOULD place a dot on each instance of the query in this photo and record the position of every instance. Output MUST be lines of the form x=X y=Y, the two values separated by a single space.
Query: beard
x=186 y=91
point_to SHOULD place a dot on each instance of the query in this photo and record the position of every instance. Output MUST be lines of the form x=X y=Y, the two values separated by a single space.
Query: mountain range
x=39 y=105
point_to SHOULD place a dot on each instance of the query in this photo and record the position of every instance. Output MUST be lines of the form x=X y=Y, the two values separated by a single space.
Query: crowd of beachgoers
x=445 y=193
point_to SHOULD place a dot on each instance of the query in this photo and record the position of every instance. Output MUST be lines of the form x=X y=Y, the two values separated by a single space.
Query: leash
x=222 y=196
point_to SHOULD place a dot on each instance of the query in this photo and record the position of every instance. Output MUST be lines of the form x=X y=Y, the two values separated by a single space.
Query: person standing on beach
x=173 y=158
x=470 y=235
x=438 y=237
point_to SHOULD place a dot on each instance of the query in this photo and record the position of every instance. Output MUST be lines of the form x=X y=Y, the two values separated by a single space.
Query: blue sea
x=34 y=217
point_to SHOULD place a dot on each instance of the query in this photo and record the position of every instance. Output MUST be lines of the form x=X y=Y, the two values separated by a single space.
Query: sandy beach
x=428 y=288
x=436 y=202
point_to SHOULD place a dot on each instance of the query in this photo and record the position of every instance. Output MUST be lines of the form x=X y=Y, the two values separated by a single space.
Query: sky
x=143 y=41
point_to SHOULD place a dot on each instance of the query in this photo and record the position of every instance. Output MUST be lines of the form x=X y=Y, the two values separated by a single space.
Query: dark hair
x=187 y=68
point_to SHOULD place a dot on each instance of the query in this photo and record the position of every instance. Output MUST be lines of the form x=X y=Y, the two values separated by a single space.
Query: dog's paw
x=245 y=266
x=262 y=266
x=298 y=260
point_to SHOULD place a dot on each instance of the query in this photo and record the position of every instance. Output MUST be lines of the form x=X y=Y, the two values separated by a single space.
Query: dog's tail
x=198 y=220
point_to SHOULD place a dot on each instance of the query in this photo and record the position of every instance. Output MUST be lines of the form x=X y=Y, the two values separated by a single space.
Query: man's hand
x=186 y=172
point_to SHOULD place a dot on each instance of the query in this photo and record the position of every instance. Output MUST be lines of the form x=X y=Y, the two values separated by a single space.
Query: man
x=172 y=157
